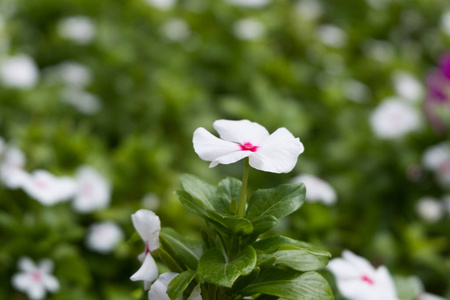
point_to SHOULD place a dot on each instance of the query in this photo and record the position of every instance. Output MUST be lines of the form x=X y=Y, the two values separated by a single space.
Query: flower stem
x=243 y=196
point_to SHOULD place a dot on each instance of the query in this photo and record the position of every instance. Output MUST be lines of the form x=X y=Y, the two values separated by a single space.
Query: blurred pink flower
x=103 y=237
x=93 y=191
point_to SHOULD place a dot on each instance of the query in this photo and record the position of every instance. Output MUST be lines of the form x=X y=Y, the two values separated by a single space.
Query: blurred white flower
x=430 y=209
x=419 y=290
x=162 y=4
x=79 y=29
x=35 y=280
x=103 y=237
x=93 y=191
x=357 y=279
x=176 y=30
x=277 y=152
x=356 y=91
x=249 y=3
x=437 y=159
x=150 y=201
x=72 y=74
x=83 y=101
x=11 y=167
x=317 y=190
x=48 y=189
x=248 y=29
x=19 y=71
x=148 y=225
x=309 y=9
x=379 y=50
x=394 y=118
x=407 y=86
x=445 y=22
x=332 y=36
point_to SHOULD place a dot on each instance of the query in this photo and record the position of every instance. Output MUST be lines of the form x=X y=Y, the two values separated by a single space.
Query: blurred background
x=110 y=93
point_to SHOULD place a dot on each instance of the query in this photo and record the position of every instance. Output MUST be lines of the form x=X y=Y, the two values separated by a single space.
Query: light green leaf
x=227 y=190
x=187 y=250
x=177 y=286
x=199 y=189
x=298 y=260
x=215 y=268
x=193 y=205
x=274 y=243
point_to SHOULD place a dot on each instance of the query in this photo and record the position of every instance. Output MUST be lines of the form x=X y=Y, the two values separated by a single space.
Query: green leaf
x=193 y=205
x=199 y=189
x=278 y=202
x=215 y=268
x=243 y=281
x=263 y=223
x=228 y=190
x=298 y=260
x=291 y=285
x=234 y=224
x=177 y=286
x=187 y=250
x=274 y=243
x=168 y=260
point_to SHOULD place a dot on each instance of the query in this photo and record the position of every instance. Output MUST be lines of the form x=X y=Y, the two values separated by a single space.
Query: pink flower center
x=42 y=184
x=367 y=279
x=36 y=276
x=87 y=189
x=147 y=249
x=249 y=147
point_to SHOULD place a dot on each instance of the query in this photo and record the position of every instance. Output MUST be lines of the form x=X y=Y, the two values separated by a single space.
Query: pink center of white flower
x=87 y=189
x=36 y=276
x=147 y=249
x=249 y=147
x=367 y=279
x=42 y=184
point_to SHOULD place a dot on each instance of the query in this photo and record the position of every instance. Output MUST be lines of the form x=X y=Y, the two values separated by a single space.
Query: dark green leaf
x=193 y=205
x=177 y=286
x=187 y=250
x=298 y=260
x=273 y=244
x=228 y=189
x=168 y=260
x=199 y=189
x=234 y=224
x=263 y=223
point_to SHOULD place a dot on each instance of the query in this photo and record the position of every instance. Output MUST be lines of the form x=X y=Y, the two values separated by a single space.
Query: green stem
x=243 y=197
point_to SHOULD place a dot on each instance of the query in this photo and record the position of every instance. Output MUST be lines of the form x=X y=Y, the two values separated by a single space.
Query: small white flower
x=249 y=3
x=420 y=291
x=317 y=190
x=437 y=159
x=407 y=86
x=357 y=279
x=148 y=225
x=47 y=188
x=276 y=152
x=35 y=280
x=86 y=103
x=103 y=237
x=379 y=50
x=445 y=22
x=309 y=9
x=356 y=91
x=332 y=36
x=72 y=74
x=248 y=29
x=150 y=201
x=430 y=209
x=11 y=168
x=162 y=4
x=79 y=29
x=19 y=71
x=394 y=118
x=93 y=191
x=158 y=290
x=176 y=30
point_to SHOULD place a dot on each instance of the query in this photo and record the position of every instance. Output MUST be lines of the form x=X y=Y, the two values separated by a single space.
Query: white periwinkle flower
x=150 y=201
x=19 y=71
x=176 y=30
x=356 y=91
x=47 y=188
x=162 y=4
x=332 y=36
x=276 y=152
x=394 y=118
x=35 y=280
x=11 y=167
x=437 y=159
x=158 y=290
x=72 y=74
x=445 y=22
x=148 y=225
x=103 y=237
x=93 y=191
x=86 y=103
x=249 y=3
x=317 y=190
x=357 y=279
x=248 y=29
x=430 y=209
x=79 y=29
x=407 y=86
x=309 y=9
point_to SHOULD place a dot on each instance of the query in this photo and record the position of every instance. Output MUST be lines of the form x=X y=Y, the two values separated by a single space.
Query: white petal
x=148 y=271
x=209 y=147
x=27 y=265
x=427 y=296
x=148 y=225
x=278 y=153
x=241 y=132
x=360 y=263
x=356 y=289
x=384 y=282
x=342 y=269
x=158 y=291
x=36 y=292
x=46 y=266
x=230 y=158
x=196 y=293
x=21 y=281
x=50 y=283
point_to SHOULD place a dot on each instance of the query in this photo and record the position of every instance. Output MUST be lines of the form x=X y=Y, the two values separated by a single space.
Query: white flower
x=357 y=279
x=19 y=71
x=248 y=29
x=356 y=91
x=249 y=3
x=445 y=22
x=79 y=29
x=430 y=209
x=47 y=188
x=332 y=36
x=11 y=168
x=158 y=290
x=276 y=152
x=150 y=201
x=437 y=159
x=379 y=50
x=162 y=4
x=394 y=118
x=72 y=74
x=34 y=280
x=104 y=237
x=309 y=9
x=420 y=291
x=407 y=86
x=317 y=190
x=148 y=225
x=86 y=103
x=93 y=191
x=176 y=30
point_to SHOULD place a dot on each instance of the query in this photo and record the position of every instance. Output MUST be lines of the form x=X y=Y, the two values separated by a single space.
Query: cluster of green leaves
x=233 y=260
